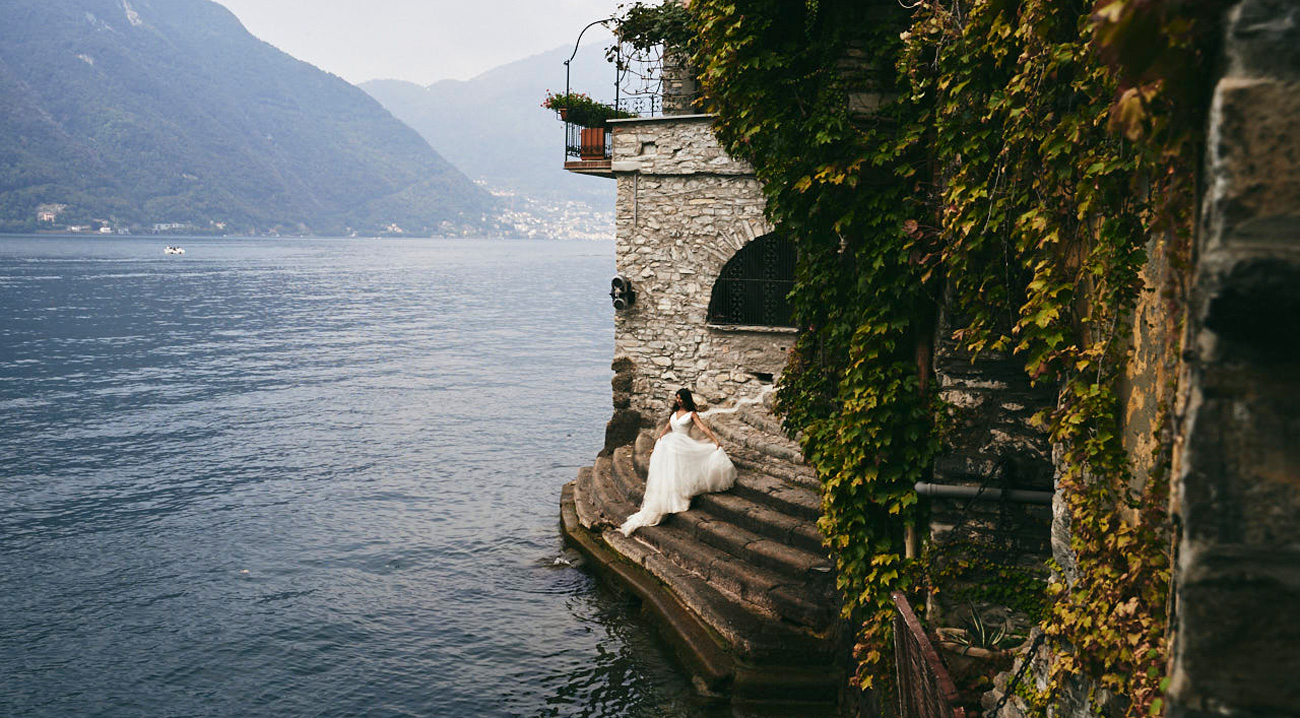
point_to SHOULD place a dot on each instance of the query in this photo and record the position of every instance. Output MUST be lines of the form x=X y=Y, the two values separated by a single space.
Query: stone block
x=1237 y=630
x=1255 y=162
x=1241 y=482
x=1264 y=39
x=622 y=429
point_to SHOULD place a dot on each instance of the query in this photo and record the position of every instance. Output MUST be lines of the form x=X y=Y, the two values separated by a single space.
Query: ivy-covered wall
x=1029 y=169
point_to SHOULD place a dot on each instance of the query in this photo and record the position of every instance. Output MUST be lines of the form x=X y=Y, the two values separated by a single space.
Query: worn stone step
x=712 y=666
x=759 y=663
x=641 y=450
x=629 y=477
x=613 y=505
x=587 y=513
x=763 y=488
x=761 y=425
x=777 y=446
x=753 y=510
x=793 y=474
x=753 y=638
x=762 y=592
x=589 y=504
x=813 y=572
x=761 y=520
x=762 y=419
x=789 y=583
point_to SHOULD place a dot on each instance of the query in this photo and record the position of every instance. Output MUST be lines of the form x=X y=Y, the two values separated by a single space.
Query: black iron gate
x=754 y=284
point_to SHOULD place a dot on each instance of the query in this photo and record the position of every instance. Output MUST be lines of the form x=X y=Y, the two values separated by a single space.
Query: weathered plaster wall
x=684 y=208
x=1150 y=382
x=1238 y=466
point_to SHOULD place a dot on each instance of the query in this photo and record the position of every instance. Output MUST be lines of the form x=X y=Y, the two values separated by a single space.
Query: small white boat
x=173 y=250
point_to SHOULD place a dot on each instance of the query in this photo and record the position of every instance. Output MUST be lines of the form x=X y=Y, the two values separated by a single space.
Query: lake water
x=307 y=478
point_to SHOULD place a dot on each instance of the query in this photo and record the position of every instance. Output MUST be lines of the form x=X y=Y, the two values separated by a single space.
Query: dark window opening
x=753 y=287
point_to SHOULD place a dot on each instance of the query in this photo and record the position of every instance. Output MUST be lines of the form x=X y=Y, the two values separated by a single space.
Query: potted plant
x=977 y=651
x=579 y=109
x=561 y=102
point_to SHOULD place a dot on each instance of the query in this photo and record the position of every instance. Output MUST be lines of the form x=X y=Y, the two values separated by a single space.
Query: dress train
x=680 y=469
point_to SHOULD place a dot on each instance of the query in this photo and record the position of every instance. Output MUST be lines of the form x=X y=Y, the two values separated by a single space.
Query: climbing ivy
x=645 y=27
x=852 y=386
x=1031 y=152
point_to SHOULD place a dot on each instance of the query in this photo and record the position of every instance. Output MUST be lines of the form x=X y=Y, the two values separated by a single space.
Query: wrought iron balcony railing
x=639 y=90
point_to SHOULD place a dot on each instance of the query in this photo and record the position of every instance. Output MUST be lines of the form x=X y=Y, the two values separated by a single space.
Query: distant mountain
x=493 y=126
x=145 y=112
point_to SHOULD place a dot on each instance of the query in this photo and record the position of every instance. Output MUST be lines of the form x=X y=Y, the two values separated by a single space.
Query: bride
x=681 y=467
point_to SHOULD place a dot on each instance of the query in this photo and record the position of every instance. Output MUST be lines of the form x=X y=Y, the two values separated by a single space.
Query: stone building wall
x=1149 y=386
x=684 y=208
x=991 y=442
x=1214 y=377
x=1237 y=467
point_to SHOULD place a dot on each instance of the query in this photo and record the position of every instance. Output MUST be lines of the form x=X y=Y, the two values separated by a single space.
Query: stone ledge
x=660 y=118
x=751 y=328
x=710 y=666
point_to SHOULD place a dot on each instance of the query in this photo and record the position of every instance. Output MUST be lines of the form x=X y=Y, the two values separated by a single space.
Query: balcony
x=587 y=150
x=645 y=85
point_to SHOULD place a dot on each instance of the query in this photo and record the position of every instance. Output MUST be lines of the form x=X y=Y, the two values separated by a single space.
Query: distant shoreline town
x=517 y=216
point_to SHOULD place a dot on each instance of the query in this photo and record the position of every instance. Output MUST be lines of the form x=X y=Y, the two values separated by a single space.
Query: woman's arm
x=709 y=432
x=667 y=425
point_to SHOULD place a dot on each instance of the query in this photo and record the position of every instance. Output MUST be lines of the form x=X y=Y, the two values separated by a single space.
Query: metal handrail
x=925 y=689
x=637 y=101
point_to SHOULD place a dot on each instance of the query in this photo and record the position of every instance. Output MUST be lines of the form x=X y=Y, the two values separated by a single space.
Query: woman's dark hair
x=688 y=401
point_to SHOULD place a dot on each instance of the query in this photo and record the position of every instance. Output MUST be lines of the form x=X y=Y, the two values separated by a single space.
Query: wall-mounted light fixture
x=621 y=292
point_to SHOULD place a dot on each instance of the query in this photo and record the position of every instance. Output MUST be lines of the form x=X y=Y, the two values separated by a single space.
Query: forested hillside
x=146 y=112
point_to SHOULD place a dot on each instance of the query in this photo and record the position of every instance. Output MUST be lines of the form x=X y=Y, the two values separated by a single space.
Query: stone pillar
x=1238 y=491
x=679 y=87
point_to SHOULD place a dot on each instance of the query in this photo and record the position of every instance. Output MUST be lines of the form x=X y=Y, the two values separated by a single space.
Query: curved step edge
x=815 y=675
x=778 y=447
x=711 y=667
x=752 y=638
x=753 y=572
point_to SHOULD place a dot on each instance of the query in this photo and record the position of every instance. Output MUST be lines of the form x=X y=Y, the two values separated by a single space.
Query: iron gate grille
x=753 y=286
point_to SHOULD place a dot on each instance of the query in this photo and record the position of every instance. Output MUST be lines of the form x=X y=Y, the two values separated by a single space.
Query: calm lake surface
x=302 y=478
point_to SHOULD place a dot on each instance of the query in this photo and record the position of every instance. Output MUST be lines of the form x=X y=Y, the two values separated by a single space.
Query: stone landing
x=739 y=584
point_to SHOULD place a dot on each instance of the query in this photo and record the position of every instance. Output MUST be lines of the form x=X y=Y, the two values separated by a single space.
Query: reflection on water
x=307 y=478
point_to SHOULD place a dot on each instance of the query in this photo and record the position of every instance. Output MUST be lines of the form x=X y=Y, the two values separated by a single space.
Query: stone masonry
x=1238 y=461
x=684 y=208
x=740 y=584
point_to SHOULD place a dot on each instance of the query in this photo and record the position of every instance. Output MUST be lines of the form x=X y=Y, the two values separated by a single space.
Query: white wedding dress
x=680 y=468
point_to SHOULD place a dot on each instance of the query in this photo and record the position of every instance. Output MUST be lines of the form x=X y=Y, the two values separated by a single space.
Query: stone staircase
x=740 y=582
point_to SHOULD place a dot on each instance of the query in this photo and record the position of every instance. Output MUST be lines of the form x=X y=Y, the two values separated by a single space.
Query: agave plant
x=979 y=633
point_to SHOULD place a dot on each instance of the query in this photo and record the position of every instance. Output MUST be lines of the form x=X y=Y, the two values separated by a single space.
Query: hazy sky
x=418 y=40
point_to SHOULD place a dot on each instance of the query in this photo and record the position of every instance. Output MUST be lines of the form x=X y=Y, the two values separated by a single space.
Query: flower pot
x=593 y=143
x=564 y=113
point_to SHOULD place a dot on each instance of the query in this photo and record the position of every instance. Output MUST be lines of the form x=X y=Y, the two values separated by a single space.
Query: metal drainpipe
x=980 y=493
